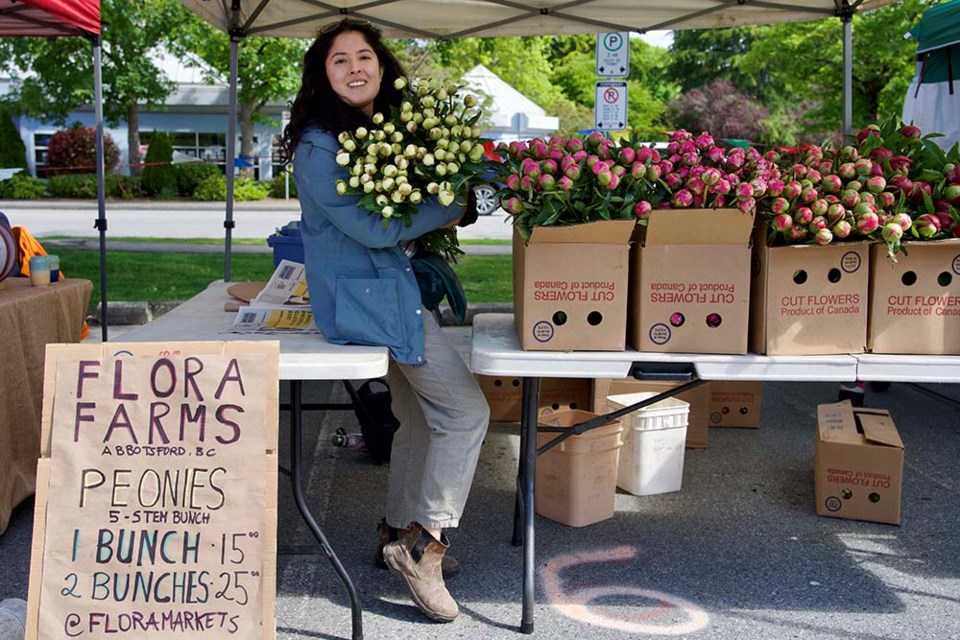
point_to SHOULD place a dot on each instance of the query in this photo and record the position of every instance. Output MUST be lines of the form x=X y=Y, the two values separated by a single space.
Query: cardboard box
x=807 y=299
x=698 y=398
x=915 y=302
x=570 y=286
x=690 y=282
x=859 y=464
x=734 y=403
x=505 y=396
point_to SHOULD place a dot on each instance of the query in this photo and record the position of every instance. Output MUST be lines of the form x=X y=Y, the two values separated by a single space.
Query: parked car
x=486 y=193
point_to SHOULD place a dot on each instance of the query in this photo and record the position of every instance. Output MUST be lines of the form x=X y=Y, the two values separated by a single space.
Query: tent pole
x=847 y=19
x=228 y=223
x=101 y=223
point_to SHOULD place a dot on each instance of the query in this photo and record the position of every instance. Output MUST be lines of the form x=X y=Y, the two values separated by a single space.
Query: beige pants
x=443 y=419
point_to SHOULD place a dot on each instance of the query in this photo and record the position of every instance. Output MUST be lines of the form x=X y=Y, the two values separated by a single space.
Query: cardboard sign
x=156 y=492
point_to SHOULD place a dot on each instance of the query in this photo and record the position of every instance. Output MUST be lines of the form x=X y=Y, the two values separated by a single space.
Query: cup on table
x=39 y=271
x=54 y=267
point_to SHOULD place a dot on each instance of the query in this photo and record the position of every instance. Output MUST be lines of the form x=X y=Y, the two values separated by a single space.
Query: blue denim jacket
x=362 y=288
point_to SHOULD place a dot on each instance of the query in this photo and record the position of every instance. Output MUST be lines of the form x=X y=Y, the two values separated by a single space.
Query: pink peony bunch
x=571 y=180
x=889 y=185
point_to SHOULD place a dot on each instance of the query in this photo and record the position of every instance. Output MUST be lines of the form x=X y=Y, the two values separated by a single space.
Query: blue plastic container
x=287 y=243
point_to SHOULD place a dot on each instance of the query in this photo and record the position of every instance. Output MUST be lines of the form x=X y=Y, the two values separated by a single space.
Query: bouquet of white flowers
x=429 y=146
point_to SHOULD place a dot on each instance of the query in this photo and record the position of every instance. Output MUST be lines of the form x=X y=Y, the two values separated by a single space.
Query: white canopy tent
x=447 y=19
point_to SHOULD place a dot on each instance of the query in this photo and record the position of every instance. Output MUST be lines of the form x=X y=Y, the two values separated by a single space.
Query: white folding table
x=302 y=357
x=496 y=351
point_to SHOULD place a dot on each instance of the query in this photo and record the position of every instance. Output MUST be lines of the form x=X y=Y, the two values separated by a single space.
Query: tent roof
x=463 y=18
x=939 y=27
x=49 y=17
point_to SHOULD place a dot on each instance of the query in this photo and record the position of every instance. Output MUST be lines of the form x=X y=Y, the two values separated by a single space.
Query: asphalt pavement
x=738 y=554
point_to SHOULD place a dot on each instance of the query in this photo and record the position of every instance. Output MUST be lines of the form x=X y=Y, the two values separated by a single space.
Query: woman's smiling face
x=354 y=70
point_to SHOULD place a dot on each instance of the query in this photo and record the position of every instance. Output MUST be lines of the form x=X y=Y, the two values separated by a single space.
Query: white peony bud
x=343 y=159
x=433 y=188
x=400 y=83
x=416 y=197
x=341 y=187
x=377 y=118
x=446 y=198
x=361 y=133
x=354 y=182
x=387 y=211
x=368 y=186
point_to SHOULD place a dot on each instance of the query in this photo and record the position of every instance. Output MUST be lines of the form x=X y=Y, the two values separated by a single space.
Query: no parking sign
x=610 y=106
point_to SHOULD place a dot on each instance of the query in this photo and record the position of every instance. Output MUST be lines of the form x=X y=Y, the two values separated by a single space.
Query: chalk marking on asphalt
x=576 y=603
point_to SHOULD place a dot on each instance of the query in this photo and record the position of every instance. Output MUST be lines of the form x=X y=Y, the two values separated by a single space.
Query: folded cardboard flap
x=840 y=422
x=698 y=226
x=600 y=232
x=877 y=427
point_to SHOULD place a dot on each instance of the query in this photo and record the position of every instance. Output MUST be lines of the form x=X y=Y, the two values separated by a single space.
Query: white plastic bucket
x=654 y=437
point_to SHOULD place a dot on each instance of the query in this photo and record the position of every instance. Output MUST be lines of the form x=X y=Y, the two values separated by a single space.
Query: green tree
x=159 y=174
x=268 y=69
x=648 y=88
x=698 y=57
x=13 y=153
x=54 y=75
x=803 y=62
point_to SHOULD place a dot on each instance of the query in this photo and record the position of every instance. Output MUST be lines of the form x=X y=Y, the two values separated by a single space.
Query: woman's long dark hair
x=318 y=105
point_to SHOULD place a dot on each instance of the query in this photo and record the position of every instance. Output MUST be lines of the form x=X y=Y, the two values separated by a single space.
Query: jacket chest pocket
x=368 y=311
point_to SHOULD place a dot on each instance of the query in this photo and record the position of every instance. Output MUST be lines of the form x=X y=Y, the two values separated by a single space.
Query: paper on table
x=286 y=285
x=273 y=318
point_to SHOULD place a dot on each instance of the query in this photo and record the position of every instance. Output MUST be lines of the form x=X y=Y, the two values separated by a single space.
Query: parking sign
x=613 y=54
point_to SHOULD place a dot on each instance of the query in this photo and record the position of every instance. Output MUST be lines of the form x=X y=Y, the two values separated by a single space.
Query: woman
x=363 y=291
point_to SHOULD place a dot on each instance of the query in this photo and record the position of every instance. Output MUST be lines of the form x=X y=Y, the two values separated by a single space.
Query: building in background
x=195 y=117
x=511 y=115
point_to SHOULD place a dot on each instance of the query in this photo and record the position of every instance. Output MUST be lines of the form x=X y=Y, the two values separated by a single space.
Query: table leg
x=296 y=445
x=528 y=468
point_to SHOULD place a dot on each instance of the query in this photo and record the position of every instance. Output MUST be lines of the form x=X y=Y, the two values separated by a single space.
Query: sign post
x=613 y=61
x=156 y=492
x=610 y=105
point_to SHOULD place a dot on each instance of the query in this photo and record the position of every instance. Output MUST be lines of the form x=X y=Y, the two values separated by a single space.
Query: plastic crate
x=651 y=459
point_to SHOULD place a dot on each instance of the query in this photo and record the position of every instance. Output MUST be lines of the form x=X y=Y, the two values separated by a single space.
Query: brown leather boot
x=416 y=556
x=386 y=534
